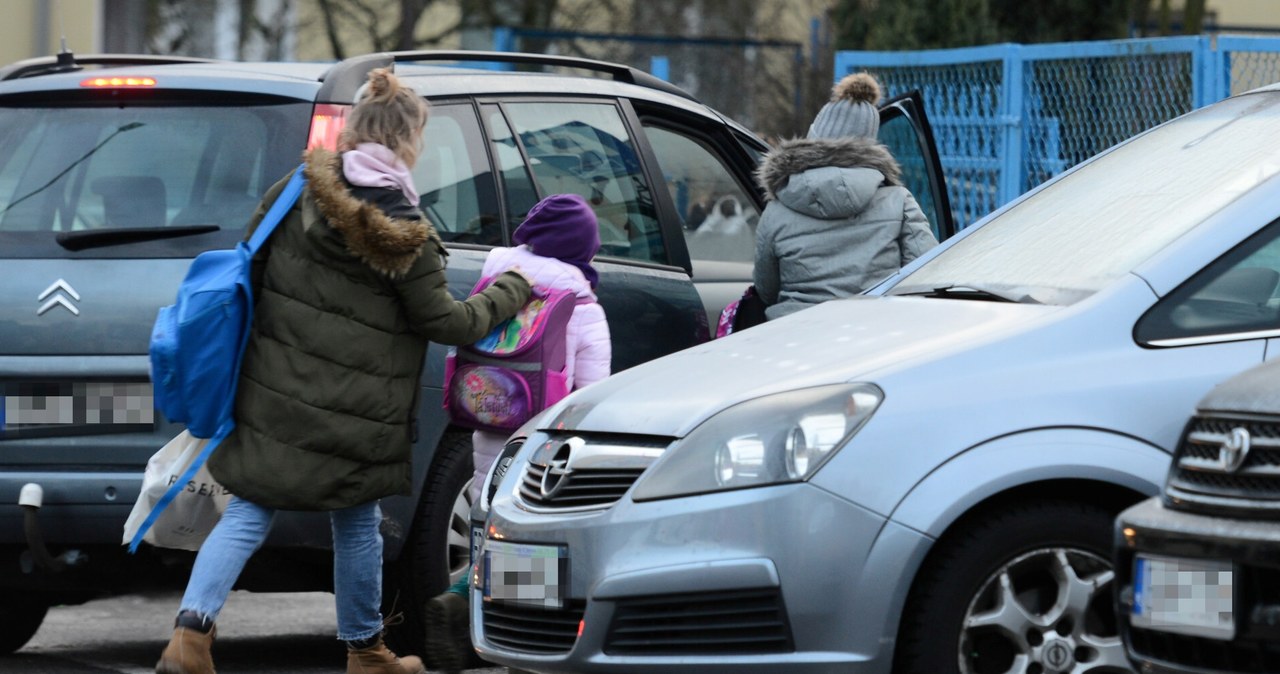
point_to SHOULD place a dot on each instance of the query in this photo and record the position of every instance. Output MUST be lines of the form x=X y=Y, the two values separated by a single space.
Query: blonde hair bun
x=381 y=85
x=858 y=87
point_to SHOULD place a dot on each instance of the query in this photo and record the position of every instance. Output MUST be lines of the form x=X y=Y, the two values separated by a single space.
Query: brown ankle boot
x=189 y=651
x=378 y=659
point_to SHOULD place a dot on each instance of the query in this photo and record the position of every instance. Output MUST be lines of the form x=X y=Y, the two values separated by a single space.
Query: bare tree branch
x=331 y=29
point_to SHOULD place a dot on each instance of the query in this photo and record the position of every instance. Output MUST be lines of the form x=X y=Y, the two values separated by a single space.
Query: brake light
x=119 y=82
x=326 y=123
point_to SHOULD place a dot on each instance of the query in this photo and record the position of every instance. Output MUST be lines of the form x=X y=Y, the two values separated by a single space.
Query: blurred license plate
x=532 y=575
x=36 y=409
x=1185 y=596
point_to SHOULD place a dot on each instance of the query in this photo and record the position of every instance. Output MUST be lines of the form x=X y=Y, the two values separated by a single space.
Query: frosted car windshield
x=1094 y=225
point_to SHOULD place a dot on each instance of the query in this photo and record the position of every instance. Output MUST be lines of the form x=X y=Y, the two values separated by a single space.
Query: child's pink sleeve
x=594 y=356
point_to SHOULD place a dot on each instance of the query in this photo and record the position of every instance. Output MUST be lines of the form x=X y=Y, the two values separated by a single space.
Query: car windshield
x=78 y=172
x=1094 y=225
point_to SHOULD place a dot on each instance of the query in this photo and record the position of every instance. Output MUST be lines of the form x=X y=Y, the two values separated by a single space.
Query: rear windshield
x=183 y=169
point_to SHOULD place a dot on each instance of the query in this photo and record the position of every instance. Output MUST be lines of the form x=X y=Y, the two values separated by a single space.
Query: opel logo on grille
x=1058 y=656
x=1234 y=450
x=559 y=468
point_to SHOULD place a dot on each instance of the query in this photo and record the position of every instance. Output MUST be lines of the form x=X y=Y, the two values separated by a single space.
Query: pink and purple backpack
x=515 y=371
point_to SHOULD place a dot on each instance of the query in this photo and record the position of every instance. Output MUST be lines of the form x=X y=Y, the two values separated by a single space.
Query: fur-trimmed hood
x=388 y=244
x=798 y=155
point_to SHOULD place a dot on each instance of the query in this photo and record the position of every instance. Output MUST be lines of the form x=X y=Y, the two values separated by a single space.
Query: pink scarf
x=373 y=165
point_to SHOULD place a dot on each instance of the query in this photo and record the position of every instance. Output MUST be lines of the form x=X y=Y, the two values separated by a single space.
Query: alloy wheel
x=1048 y=611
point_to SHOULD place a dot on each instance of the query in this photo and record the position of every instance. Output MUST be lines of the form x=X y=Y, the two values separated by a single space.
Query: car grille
x=582 y=489
x=713 y=623
x=1207 y=654
x=530 y=629
x=1204 y=479
x=576 y=473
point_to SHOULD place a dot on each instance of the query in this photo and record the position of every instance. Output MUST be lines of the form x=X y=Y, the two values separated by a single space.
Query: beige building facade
x=36 y=27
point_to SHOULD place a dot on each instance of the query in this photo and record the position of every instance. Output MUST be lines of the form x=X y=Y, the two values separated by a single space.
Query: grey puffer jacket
x=838 y=220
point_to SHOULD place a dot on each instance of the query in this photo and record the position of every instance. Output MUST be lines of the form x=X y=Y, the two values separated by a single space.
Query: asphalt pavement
x=262 y=633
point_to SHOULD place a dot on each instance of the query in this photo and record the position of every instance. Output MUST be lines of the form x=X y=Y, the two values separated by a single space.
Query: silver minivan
x=924 y=481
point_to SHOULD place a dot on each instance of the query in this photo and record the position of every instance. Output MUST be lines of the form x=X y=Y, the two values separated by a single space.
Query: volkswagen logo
x=559 y=468
x=1234 y=450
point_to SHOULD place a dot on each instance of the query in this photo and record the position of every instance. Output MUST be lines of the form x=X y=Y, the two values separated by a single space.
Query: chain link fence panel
x=1009 y=117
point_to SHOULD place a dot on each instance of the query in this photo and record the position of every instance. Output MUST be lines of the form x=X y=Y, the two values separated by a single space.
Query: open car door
x=905 y=130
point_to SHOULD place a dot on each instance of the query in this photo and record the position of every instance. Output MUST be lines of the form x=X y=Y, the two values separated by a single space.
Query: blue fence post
x=504 y=39
x=1010 y=118
x=1220 y=62
x=660 y=67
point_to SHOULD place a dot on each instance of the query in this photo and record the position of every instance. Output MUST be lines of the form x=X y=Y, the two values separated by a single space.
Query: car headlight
x=779 y=438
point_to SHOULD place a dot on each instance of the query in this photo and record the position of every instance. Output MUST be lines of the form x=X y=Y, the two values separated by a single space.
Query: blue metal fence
x=1007 y=117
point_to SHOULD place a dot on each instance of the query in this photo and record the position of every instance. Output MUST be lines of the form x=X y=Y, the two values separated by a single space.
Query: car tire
x=1025 y=587
x=438 y=550
x=20 y=617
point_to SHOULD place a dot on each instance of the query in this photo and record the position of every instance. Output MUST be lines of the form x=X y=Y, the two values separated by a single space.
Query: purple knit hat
x=563 y=226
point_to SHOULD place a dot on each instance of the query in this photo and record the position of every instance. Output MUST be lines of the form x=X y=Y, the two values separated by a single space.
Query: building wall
x=1245 y=13
x=35 y=28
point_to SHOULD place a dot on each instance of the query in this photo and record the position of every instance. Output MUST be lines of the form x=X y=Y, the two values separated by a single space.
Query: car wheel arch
x=1031 y=461
x=1034 y=476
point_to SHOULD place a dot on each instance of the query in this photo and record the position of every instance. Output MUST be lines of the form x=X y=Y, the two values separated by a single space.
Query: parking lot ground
x=259 y=633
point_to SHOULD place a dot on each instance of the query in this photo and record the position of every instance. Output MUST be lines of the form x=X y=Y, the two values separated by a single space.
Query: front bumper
x=1253 y=547
x=786 y=578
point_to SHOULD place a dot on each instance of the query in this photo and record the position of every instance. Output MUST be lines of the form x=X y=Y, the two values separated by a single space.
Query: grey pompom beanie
x=851 y=112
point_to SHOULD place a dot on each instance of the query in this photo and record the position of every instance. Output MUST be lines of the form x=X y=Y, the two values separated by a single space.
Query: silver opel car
x=922 y=481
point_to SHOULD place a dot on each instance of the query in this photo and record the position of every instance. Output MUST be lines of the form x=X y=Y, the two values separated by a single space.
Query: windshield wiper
x=971 y=292
x=98 y=238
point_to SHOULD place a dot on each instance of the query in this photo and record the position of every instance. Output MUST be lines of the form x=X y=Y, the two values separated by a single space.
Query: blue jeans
x=357 y=563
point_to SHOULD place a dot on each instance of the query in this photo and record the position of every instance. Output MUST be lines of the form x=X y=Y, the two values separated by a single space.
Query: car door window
x=453 y=178
x=585 y=149
x=905 y=130
x=718 y=214
x=1238 y=293
x=517 y=187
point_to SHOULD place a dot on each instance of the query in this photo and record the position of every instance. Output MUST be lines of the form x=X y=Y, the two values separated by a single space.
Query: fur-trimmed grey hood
x=802 y=154
x=389 y=245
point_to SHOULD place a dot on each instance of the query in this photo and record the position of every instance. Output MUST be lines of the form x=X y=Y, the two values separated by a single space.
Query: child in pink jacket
x=558 y=239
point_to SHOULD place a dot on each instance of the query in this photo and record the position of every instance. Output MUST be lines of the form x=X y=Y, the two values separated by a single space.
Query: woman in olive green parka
x=350 y=296
x=349 y=290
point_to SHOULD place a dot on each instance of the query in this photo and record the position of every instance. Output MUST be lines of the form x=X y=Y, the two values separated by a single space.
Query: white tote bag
x=188 y=519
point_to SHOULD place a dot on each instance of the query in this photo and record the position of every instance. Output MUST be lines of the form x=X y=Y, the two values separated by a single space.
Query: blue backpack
x=198 y=341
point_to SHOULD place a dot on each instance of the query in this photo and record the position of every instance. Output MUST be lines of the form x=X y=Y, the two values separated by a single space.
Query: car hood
x=840 y=341
x=1253 y=391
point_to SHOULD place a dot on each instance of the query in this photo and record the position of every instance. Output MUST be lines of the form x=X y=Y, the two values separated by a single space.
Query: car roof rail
x=65 y=62
x=344 y=78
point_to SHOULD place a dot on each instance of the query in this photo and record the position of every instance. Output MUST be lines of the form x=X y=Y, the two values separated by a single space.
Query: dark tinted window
x=716 y=210
x=520 y=193
x=73 y=169
x=454 y=179
x=585 y=149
